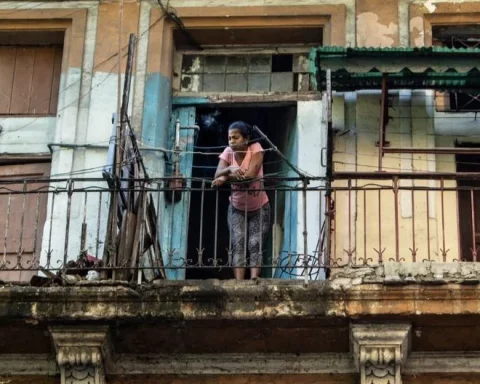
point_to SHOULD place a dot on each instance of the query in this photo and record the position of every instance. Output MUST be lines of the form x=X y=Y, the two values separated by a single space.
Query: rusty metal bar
x=365 y=259
x=474 y=245
x=49 y=250
x=435 y=151
x=349 y=221
x=67 y=226
x=274 y=235
x=83 y=233
x=334 y=233
x=414 y=248
x=35 y=231
x=6 y=229
x=216 y=228
x=330 y=135
x=99 y=215
x=305 y=233
x=22 y=226
x=289 y=254
x=397 y=234
x=444 y=250
x=428 y=226
x=385 y=175
x=200 y=239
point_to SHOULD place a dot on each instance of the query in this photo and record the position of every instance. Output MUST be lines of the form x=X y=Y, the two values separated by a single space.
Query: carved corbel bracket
x=379 y=351
x=82 y=353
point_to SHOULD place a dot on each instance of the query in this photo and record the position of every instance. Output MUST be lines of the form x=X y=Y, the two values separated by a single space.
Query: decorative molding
x=82 y=353
x=238 y=363
x=380 y=351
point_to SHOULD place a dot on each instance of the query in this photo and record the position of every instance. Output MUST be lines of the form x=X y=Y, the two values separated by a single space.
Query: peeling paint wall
x=377 y=23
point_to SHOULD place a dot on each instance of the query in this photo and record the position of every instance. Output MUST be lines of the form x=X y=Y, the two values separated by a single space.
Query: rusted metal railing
x=53 y=228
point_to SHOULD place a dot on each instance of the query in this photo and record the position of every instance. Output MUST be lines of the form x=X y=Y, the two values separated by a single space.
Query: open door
x=177 y=205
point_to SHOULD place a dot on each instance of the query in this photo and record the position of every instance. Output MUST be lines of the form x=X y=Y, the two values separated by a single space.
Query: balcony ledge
x=394 y=289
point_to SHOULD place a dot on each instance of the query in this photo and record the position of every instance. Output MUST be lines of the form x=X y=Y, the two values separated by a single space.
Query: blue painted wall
x=285 y=269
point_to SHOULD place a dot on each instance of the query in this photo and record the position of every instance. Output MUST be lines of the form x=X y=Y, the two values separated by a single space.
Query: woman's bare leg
x=239 y=273
x=255 y=272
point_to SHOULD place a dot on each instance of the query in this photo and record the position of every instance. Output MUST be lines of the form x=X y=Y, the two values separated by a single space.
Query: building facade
x=368 y=111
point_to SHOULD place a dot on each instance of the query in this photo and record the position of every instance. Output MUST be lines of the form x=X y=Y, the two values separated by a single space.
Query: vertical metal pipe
x=245 y=229
x=290 y=222
x=320 y=241
x=414 y=246
x=49 y=250
x=349 y=183
x=177 y=135
x=330 y=135
x=200 y=239
x=365 y=227
x=305 y=232
x=328 y=228
x=83 y=235
x=428 y=226
x=99 y=215
x=35 y=233
x=474 y=246
x=67 y=227
x=444 y=252
x=274 y=234
x=261 y=237
x=5 y=239
x=334 y=233
x=216 y=229
x=22 y=222
x=380 y=251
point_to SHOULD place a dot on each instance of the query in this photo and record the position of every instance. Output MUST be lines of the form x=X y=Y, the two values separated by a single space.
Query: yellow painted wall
x=366 y=221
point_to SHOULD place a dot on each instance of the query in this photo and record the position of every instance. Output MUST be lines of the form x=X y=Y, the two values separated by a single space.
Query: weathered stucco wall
x=377 y=23
x=370 y=215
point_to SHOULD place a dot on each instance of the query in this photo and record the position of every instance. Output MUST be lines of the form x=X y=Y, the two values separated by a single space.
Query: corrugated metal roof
x=415 y=68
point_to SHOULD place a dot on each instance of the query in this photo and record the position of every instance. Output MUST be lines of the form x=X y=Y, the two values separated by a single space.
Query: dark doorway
x=208 y=211
x=469 y=204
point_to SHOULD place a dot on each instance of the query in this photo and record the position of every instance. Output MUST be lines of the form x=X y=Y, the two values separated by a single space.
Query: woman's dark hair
x=245 y=130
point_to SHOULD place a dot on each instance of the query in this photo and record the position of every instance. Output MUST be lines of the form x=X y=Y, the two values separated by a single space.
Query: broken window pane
x=192 y=64
x=191 y=83
x=282 y=63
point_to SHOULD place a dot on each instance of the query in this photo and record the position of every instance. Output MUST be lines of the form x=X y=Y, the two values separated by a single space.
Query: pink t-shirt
x=242 y=199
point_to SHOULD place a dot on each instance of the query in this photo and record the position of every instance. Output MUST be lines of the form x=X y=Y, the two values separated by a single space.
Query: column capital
x=379 y=351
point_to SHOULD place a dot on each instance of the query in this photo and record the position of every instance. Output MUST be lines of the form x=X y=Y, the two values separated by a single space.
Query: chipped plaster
x=372 y=33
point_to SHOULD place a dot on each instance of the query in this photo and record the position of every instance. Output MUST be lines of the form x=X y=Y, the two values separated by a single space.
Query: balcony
x=54 y=230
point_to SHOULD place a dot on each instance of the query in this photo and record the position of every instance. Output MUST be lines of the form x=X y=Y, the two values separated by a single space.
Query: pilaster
x=379 y=351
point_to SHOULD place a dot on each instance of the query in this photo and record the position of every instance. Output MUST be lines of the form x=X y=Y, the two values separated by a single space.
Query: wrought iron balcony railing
x=62 y=229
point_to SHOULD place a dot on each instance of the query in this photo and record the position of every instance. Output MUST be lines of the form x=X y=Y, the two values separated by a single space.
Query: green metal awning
x=406 y=68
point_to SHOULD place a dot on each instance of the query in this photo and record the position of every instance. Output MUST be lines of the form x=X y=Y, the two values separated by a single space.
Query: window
x=254 y=73
x=459 y=36
x=30 y=68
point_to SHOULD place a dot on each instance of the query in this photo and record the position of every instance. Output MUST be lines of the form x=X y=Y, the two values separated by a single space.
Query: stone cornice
x=211 y=299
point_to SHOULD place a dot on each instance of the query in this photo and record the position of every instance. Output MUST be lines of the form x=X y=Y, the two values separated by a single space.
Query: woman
x=249 y=211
